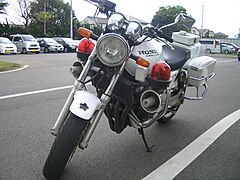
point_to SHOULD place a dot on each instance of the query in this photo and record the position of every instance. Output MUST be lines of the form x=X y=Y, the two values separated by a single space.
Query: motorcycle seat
x=175 y=58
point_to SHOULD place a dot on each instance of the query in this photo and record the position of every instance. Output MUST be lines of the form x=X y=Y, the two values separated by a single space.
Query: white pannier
x=200 y=70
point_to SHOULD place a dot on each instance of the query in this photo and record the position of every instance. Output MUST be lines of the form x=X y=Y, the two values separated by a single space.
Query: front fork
x=105 y=99
x=78 y=85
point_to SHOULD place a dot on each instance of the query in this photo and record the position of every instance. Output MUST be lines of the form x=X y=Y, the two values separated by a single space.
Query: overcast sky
x=218 y=16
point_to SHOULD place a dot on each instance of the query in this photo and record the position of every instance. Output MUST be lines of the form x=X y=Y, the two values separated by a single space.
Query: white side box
x=185 y=38
x=200 y=70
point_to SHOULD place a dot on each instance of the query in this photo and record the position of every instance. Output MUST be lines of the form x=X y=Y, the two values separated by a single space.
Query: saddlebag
x=200 y=70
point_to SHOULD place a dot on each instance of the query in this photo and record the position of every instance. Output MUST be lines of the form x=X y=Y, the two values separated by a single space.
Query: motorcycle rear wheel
x=64 y=146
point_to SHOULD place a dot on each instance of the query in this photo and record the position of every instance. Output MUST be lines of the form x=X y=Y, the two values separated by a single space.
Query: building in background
x=207 y=33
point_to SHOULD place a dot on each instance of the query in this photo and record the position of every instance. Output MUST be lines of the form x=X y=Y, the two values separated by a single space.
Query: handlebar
x=157 y=32
x=162 y=35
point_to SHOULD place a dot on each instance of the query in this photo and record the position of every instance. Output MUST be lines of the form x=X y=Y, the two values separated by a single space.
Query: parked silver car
x=234 y=45
x=227 y=49
x=25 y=43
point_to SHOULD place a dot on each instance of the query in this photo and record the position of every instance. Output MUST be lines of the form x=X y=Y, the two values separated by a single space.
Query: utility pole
x=202 y=22
x=71 y=20
x=44 y=21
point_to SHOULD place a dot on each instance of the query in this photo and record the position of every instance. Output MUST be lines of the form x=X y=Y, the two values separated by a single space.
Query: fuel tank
x=150 y=50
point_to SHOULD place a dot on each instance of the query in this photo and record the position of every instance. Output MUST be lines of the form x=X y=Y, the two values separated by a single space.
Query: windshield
x=28 y=38
x=50 y=40
x=5 y=41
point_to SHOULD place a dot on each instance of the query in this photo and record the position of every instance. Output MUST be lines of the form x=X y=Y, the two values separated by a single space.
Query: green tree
x=56 y=14
x=44 y=17
x=166 y=15
x=96 y=29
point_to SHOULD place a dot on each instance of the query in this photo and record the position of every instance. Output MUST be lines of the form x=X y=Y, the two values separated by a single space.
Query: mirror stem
x=168 y=25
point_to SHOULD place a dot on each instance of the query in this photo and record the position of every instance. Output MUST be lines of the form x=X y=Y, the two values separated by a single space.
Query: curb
x=14 y=70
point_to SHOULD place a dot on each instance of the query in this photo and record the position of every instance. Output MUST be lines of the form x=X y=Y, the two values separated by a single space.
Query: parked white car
x=25 y=43
x=7 y=47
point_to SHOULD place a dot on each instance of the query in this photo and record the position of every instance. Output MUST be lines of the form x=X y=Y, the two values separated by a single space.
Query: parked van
x=210 y=46
x=25 y=43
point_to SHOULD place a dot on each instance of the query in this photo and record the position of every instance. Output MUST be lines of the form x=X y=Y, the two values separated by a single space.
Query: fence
x=230 y=40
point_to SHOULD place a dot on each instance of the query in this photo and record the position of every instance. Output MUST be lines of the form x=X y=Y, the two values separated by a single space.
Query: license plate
x=7 y=51
x=33 y=50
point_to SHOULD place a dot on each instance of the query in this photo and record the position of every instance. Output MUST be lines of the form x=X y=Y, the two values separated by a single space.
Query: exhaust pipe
x=150 y=101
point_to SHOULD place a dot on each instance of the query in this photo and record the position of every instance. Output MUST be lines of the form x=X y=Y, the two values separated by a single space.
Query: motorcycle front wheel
x=63 y=146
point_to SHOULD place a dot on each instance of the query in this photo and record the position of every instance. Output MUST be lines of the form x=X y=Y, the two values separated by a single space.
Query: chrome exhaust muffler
x=151 y=101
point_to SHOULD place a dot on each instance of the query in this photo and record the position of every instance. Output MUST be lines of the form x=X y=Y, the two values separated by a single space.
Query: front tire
x=24 y=51
x=64 y=146
x=226 y=52
x=208 y=51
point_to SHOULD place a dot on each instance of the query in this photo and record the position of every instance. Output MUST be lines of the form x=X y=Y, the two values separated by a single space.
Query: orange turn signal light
x=142 y=62
x=84 y=32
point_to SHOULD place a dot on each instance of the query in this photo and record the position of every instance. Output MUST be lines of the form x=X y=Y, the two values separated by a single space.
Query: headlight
x=112 y=49
x=134 y=30
x=116 y=22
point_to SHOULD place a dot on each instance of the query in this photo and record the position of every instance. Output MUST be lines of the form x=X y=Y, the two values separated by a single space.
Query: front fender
x=85 y=104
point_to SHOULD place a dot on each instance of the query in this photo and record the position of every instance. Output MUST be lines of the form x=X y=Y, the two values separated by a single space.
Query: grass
x=4 y=66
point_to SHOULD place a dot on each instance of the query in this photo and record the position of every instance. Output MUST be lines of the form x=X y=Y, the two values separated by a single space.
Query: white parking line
x=35 y=92
x=38 y=91
x=227 y=61
x=180 y=161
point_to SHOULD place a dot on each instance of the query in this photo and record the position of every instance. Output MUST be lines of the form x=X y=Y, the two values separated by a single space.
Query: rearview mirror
x=185 y=20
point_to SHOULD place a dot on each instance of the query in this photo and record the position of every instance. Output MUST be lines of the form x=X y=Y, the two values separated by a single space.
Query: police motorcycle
x=140 y=76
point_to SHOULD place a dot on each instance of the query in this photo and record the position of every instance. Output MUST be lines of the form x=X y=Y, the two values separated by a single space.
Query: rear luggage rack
x=206 y=79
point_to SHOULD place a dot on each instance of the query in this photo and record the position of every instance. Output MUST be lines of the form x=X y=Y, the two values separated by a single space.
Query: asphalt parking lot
x=31 y=99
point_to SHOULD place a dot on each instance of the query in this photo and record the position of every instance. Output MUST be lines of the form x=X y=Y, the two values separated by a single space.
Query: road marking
x=34 y=92
x=227 y=61
x=39 y=91
x=180 y=161
x=14 y=70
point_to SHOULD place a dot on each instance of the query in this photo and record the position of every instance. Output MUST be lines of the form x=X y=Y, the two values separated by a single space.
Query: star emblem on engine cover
x=84 y=106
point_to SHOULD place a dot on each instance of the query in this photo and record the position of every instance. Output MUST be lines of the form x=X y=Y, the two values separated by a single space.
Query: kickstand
x=141 y=131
